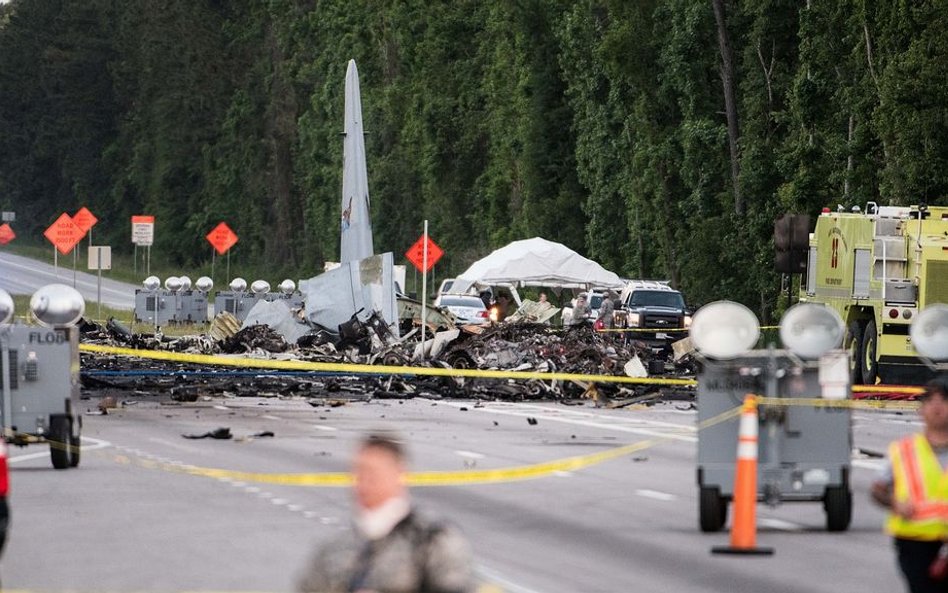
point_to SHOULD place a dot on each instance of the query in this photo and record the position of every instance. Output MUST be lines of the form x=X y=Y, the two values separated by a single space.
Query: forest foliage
x=659 y=137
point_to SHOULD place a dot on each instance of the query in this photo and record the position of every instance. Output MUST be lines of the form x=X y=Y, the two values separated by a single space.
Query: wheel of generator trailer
x=75 y=440
x=59 y=437
x=838 y=504
x=867 y=354
x=853 y=344
x=712 y=510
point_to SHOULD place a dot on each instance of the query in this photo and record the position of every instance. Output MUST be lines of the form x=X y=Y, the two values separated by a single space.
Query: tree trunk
x=730 y=103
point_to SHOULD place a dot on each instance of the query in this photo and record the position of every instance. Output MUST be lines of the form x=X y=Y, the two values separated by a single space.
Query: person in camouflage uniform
x=392 y=547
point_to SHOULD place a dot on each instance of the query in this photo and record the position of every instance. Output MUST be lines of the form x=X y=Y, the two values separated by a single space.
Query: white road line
x=779 y=524
x=495 y=578
x=564 y=412
x=221 y=408
x=269 y=417
x=96 y=444
x=326 y=428
x=591 y=424
x=656 y=495
x=469 y=454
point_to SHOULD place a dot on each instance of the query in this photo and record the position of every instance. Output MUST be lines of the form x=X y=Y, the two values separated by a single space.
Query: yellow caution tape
x=851 y=404
x=507 y=474
x=334 y=367
x=661 y=330
x=887 y=389
x=430 y=478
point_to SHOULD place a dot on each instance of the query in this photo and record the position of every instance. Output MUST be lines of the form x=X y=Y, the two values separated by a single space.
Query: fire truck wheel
x=853 y=343
x=59 y=434
x=838 y=503
x=712 y=509
x=867 y=354
x=75 y=440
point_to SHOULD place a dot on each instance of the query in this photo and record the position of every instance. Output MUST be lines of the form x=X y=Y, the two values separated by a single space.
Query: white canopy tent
x=536 y=262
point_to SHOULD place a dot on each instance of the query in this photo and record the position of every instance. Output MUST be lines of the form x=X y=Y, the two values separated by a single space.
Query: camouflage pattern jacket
x=417 y=556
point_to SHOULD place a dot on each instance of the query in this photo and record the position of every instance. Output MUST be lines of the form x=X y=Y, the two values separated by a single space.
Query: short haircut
x=385 y=442
x=938 y=385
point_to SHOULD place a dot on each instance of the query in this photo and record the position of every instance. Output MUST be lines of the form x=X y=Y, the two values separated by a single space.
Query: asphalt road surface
x=22 y=275
x=130 y=520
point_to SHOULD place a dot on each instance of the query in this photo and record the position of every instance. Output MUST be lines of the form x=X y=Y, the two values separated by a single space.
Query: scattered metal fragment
x=222 y=433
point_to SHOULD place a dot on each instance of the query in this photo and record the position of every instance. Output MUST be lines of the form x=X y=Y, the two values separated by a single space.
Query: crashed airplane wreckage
x=354 y=314
x=518 y=344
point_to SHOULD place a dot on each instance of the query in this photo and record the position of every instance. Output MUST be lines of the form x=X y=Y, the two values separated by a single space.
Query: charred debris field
x=510 y=347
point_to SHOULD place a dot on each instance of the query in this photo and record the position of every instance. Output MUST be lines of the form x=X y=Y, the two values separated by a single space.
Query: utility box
x=192 y=307
x=183 y=306
x=39 y=382
x=237 y=304
x=804 y=446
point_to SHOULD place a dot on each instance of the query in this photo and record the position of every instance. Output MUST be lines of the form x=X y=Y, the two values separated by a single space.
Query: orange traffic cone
x=744 y=527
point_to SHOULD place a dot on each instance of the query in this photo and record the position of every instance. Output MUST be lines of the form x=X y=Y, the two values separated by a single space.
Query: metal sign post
x=221 y=238
x=424 y=290
x=423 y=254
x=100 y=258
x=143 y=235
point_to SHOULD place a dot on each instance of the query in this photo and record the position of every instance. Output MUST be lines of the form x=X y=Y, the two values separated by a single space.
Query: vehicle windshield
x=657 y=298
x=595 y=302
x=462 y=302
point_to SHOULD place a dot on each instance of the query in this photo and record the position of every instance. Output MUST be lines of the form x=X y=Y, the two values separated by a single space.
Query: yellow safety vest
x=918 y=478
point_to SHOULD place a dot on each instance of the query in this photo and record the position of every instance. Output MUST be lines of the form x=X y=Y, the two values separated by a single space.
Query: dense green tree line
x=660 y=137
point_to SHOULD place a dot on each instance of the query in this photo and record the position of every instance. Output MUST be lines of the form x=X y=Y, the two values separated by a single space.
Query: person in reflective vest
x=914 y=487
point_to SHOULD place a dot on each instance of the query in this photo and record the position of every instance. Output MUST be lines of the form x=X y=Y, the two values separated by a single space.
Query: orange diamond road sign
x=84 y=219
x=222 y=238
x=64 y=233
x=416 y=253
x=6 y=234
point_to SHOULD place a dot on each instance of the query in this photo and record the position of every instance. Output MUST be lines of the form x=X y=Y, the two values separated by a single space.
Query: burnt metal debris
x=523 y=346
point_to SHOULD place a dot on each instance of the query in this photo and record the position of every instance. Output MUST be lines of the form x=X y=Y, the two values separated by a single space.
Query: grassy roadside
x=21 y=308
x=127 y=268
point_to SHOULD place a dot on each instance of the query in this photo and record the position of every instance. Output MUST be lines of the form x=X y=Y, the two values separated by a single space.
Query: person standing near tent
x=580 y=311
x=606 y=318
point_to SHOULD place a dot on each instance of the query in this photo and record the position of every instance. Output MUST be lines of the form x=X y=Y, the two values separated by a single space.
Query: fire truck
x=878 y=269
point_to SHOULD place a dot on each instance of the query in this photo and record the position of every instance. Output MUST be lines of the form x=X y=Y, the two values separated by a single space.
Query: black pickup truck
x=656 y=312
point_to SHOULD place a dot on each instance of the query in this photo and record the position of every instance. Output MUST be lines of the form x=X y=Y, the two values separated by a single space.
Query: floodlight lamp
x=185 y=283
x=152 y=283
x=204 y=284
x=173 y=283
x=724 y=329
x=287 y=286
x=929 y=332
x=57 y=305
x=6 y=306
x=260 y=286
x=810 y=330
x=238 y=285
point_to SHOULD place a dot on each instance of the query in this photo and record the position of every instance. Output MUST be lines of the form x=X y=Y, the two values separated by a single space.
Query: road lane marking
x=495 y=578
x=269 y=417
x=656 y=495
x=326 y=428
x=96 y=444
x=591 y=424
x=452 y=478
x=779 y=524
x=469 y=454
